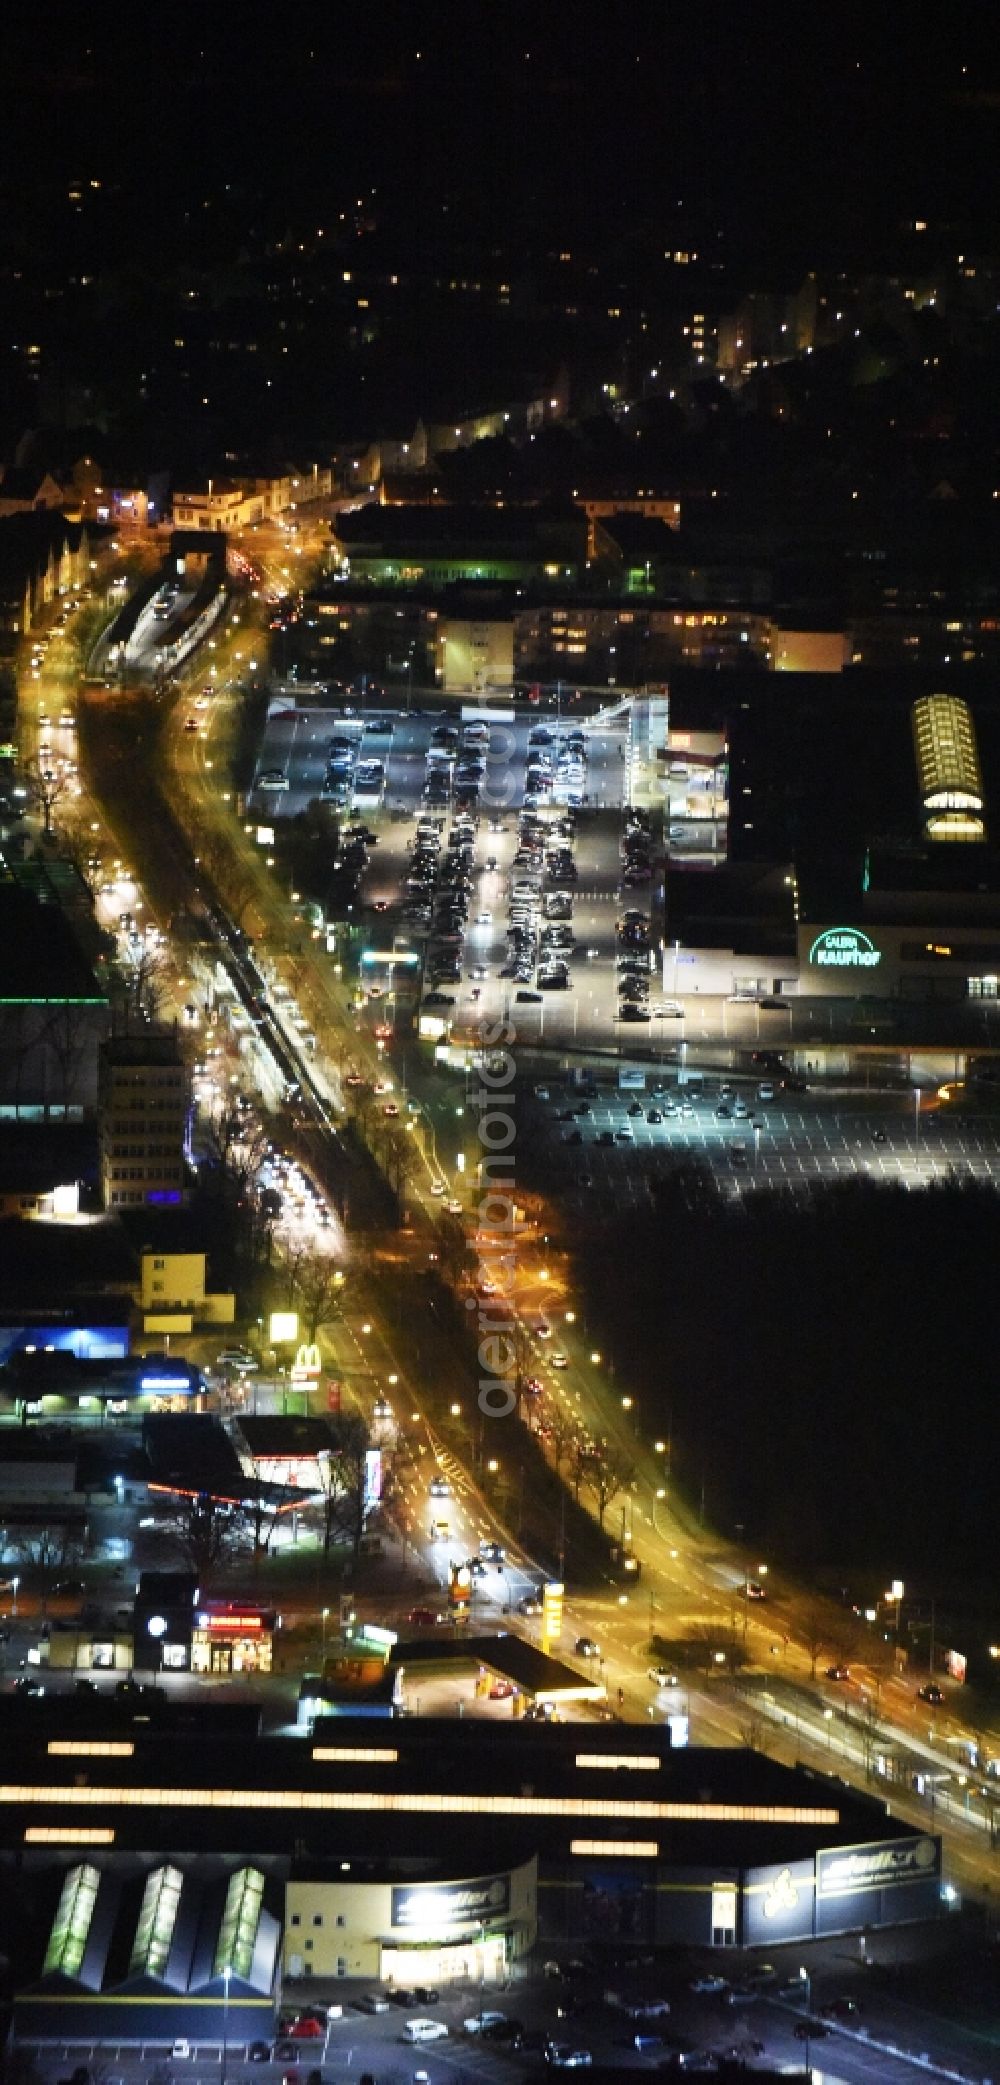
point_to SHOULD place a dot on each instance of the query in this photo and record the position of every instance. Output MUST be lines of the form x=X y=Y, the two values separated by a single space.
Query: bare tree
x=292 y=1250
x=236 y=880
x=206 y=1531
x=561 y=1430
x=817 y=1636
x=234 y=1147
x=45 y=785
x=753 y=1723
x=317 y=1284
x=68 y=1032
x=604 y=1475
x=346 y=1476
x=143 y=980
x=44 y=1551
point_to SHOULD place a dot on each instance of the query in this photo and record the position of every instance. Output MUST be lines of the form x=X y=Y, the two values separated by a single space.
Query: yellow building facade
x=407 y=1933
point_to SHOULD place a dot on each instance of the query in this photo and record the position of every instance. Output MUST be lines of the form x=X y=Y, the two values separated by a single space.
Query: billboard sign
x=778 y=1903
x=956 y=1666
x=840 y=1870
x=552 y=1611
x=424 y=1905
x=844 y=948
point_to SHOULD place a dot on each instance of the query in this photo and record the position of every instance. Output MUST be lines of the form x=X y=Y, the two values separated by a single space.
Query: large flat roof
x=411 y=1787
x=542 y=1677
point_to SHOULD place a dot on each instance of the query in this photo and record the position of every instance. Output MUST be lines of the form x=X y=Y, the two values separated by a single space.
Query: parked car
x=477 y=2021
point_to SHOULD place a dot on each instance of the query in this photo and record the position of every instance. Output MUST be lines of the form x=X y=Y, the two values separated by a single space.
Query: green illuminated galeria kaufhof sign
x=844 y=948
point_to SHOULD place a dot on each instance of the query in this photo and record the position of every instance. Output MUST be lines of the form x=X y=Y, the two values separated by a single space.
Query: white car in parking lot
x=425 y=2031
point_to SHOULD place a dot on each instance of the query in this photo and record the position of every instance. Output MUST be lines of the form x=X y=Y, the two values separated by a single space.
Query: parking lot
x=654 y=2020
x=501 y=848
x=790 y=1141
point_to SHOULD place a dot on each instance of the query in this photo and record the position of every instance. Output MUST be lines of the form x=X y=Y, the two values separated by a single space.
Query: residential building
x=475 y=654
x=28 y=491
x=144 y=1104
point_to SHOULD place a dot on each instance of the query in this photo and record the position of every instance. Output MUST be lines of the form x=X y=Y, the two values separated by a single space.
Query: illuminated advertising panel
x=864 y=1867
x=459 y=1904
x=844 y=948
x=552 y=1611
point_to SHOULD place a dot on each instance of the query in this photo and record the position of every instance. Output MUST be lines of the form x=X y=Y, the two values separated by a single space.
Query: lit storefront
x=230 y=1637
x=406 y=1933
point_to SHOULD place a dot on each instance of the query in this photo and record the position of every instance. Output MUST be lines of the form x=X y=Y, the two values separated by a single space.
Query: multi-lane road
x=683 y=1590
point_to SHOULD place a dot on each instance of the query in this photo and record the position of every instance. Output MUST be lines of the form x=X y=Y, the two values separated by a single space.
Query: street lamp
x=807 y=1981
x=226 y=1974
x=895 y=1594
x=326 y=1617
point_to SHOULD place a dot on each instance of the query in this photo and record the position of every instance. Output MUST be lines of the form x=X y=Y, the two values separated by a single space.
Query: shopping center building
x=415 y=1850
x=861 y=862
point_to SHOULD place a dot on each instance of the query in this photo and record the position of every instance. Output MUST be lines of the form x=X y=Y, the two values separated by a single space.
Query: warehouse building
x=403 y=1851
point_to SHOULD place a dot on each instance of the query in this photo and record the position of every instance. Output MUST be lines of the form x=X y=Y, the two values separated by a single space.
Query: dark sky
x=775 y=125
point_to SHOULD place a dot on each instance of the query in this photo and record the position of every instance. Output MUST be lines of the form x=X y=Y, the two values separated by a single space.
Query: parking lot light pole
x=226 y=1974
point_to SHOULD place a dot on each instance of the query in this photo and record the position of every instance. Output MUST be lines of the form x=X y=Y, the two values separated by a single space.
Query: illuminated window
x=353 y=1753
x=947 y=757
x=240 y=1920
x=71 y=1925
x=625 y=1849
x=404 y=1803
x=157 y=1918
x=68 y=1835
x=91 y=1748
x=641 y=1760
